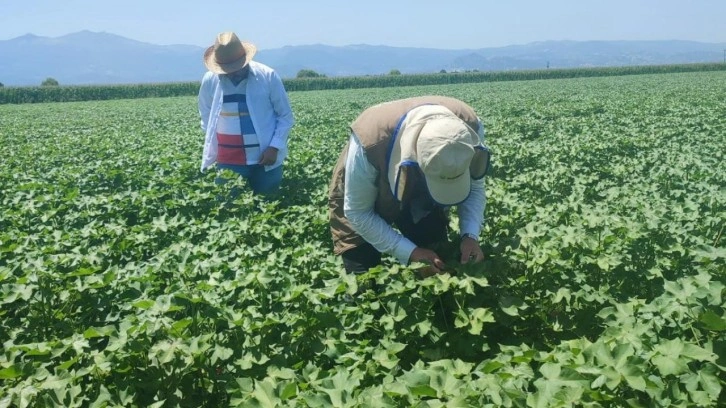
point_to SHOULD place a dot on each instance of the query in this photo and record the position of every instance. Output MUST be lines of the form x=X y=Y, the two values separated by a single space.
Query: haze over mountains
x=101 y=58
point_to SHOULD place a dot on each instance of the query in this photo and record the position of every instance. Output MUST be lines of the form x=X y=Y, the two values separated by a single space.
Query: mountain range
x=89 y=57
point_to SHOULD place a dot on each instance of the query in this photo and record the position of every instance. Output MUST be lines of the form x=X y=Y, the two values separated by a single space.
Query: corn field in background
x=71 y=93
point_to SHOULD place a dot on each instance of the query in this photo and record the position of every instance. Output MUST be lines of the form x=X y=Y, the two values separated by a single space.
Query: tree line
x=309 y=80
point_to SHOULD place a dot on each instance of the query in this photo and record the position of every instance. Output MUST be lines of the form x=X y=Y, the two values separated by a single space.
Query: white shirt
x=269 y=107
x=359 y=203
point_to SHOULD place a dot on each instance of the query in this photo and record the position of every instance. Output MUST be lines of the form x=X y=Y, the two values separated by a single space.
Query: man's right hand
x=427 y=256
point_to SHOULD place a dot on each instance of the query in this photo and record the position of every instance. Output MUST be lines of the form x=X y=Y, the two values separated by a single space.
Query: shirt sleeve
x=204 y=101
x=471 y=211
x=359 y=203
x=283 y=112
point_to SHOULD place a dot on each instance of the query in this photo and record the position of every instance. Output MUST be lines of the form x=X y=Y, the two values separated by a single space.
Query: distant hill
x=101 y=58
x=95 y=58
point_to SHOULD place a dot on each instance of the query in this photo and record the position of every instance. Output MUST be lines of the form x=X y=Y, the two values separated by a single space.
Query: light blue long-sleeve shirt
x=269 y=108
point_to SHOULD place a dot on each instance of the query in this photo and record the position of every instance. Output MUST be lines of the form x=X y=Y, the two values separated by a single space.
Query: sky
x=462 y=24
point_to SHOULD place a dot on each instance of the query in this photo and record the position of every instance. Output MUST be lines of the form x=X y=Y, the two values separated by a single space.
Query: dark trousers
x=429 y=230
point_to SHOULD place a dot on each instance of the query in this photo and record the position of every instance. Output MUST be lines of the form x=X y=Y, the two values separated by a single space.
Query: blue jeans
x=262 y=182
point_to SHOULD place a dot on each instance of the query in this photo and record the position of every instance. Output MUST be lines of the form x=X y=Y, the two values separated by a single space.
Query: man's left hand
x=269 y=157
x=470 y=250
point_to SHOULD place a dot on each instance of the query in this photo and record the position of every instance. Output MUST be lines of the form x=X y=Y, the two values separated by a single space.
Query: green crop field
x=128 y=278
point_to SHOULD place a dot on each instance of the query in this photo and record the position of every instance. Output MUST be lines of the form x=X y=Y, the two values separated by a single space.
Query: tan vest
x=374 y=129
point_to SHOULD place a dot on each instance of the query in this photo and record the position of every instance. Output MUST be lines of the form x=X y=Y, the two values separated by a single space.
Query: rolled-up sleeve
x=283 y=112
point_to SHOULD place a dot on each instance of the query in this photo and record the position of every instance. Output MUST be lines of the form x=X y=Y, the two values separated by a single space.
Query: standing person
x=407 y=162
x=245 y=114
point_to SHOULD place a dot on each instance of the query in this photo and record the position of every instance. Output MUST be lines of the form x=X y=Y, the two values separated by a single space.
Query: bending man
x=406 y=163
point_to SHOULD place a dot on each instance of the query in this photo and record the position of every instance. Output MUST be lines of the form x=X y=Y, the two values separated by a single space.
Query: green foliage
x=16 y=95
x=394 y=72
x=129 y=278
x=385 y=81
x=49 y=82
x=308 y=73
x=40 y=94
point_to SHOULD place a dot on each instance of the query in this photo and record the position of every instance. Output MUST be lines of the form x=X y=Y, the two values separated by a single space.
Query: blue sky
x=407 y=23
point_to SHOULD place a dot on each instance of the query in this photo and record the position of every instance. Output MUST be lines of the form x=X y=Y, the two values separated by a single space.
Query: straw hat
x=448 y=152
x=228 y=54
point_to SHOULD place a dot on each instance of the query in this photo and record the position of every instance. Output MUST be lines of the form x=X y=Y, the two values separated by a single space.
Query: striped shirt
x=236 y=136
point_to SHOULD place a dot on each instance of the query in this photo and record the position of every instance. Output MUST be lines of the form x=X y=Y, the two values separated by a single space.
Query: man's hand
x=470 y=250
x=427 y=256
x=269 y=157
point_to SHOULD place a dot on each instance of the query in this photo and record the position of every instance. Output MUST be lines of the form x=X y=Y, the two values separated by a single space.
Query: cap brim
x=449 y=192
